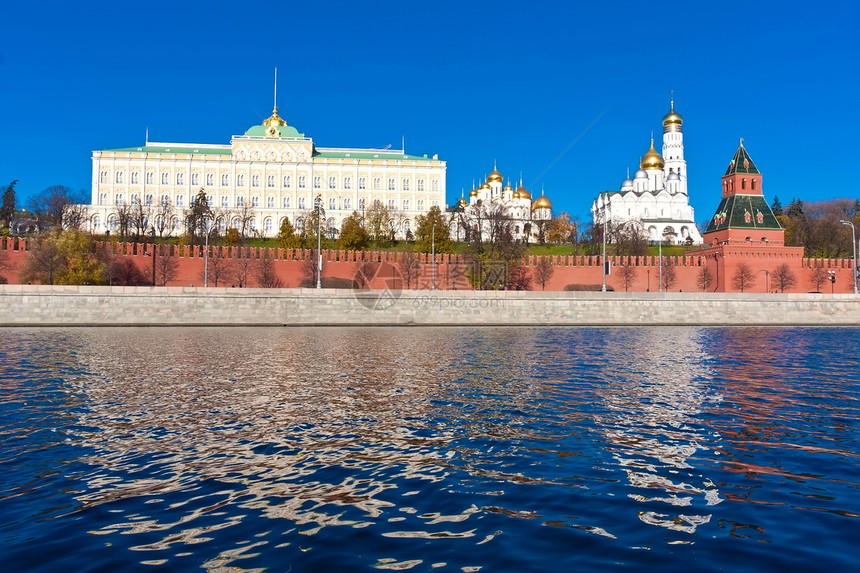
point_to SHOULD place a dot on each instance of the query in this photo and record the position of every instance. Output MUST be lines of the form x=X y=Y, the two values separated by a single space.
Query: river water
x=443 y=449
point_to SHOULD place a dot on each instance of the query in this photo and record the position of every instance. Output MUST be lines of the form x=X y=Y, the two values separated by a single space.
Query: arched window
x=303 y=181
x=362 y=182
x=406 y=226
x=195 y=179
x=225 y=179
x=148 y=199
x=267 y=225
x=317 y=181
x=421 y=185
x=165 y=199
x=420 y=204
x=210 y=179
x=135 y=199
x=406 y=204
x=301 y=202
x=225 y=201
x=255 y=201
x=391 y=183
x=332 y=181
x=287 y=181
x=391 y=204
x=240 y=200
x=164 y=178
x=405 y=184
x=270 y=202
x=209 y=199
x=332 y=203
x=118 y=177
x=361 y=204
x=270 y=180
x=377 y=183
x=347 y=202
x=252 y=224
x=95 y=227
x=150 y=177
x=347 y=182
x=112 y=223
x=255 y=180
x=434 y=185
x=180 y=178
x=135 y=177
x=180 y=200
x=300 y=224
x=753 y=184
x=240 y=180
x=286 y=202
x=103 y=177
x=118 y=199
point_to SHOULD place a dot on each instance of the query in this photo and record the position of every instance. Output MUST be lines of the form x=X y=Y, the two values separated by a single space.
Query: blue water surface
x=443 y=449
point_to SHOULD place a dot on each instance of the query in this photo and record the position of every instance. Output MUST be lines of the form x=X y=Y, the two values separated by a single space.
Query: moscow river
x=443 y=449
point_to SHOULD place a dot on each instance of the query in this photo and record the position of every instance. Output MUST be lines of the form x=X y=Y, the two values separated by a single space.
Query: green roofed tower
x=743 y=213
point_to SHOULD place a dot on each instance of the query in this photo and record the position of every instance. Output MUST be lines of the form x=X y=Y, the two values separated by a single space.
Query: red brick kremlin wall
x=450 y=271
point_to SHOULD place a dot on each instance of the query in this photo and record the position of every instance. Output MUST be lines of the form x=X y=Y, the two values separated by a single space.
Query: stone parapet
x=33 y=305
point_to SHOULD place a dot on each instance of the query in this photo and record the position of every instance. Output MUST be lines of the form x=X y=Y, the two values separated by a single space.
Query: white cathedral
x=655 y=200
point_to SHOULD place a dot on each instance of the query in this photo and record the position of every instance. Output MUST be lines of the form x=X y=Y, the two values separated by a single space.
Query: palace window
x=135 y=177
x=164 y=178
x=195 y=179
x=252 y=224
x=255 y=180
x=180 y=200
x=434 y=185
x=103 y=177
x=377 y=203
x=270 y=181
x=332 y=182
x=210 y=179
x=377 y=183
x=406 y=204
x=421 y=185
x=148 y=199
x=180 y=178
x=270 y=202
x=303 y=181
x=118 y=177
x=347 y=182
x=317 y=181
x=150 y=177
x=240 y=200
x=332 y=203
x=362 y=182
x=225 y=201
x=391 y=183
x=391 y=204
x=103 y=199
x=135 y=199
x=406 y=184
x=255 y=201
x=225 y=179
x=287 y=181
x=165 y=199
x=406 y=227
x=209 y=199
x=420 y=204
x=118 y=199
x=240 y=180
x=267 y=226
x=301 y=202
x=286 y=202
x=361 y=204
x=434 y=203
x=347 y=202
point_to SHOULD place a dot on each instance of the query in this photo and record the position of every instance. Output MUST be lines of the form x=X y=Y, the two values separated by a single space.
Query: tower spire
x=672 y=100
x=276 y=90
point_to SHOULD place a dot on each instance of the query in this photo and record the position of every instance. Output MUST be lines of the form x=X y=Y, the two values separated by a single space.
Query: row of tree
x=817 y=225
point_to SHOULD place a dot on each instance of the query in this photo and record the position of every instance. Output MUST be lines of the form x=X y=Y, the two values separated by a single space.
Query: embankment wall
x=34 y=305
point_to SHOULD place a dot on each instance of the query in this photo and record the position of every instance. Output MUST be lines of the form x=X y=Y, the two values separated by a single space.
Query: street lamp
x=603 y=262
x=854 y=249
x=766 y=276
x=660 y=259
x=433 y=252
x=318 y=207
x=206 y=253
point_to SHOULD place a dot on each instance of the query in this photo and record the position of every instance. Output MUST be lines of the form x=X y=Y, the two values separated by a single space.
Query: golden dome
x=542 y=202
x=672 y=118
x=274 y=120
x=508 y=187
x=522 y=193
x=651 y=159
x=473 y=193
x=462 y=202
x=495 y=176
x=484 y=185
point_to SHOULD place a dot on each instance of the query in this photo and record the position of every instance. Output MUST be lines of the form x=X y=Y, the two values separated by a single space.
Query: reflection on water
x=440 y=448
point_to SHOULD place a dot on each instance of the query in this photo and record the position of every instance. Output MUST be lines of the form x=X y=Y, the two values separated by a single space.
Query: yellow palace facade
x=269 y=173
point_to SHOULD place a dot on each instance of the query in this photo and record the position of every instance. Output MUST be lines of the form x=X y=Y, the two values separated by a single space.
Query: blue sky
x=566 y=93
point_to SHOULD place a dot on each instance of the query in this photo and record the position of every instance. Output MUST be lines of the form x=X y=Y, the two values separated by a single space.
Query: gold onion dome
x=508 y=187
x=462 y=201
x=542 y=202
x=522 y=193
x=494 y=176
x=275 y=120
x=473 y=193
x=652 y=159
x=673 y=117
x=485 y=185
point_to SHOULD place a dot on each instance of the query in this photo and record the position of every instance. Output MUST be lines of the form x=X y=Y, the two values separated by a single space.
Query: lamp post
x=831 y=276
x=649 y=281
x=766 y=277
x=433 y=253
x=318 y=206
x=854 y=250
x=206 y=253
x=660 y=259
x=603 y=262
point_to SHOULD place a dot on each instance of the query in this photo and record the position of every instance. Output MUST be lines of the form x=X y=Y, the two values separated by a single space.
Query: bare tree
x=817 y=277
x=166 y=265
x=217 y=265
x=627 y=273
x=744 y=277
x=163 y=220
x=266 y=272
x=124 y=217
x=670 y=277
x=704 y=278
x=52 y=207
x=244 y=214
x=240 y=266
x=783 y=278
x=543 y=270
x=410 y=267
x=140 y=215
x=365 y=274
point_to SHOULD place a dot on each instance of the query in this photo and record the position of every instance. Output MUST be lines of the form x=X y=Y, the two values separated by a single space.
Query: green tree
x=377 y=221
x=7 y=210
x=776 y=206
x=287 y=237
x=199 y=218
x=353 y=235
x=433 y=232
x=795 y=208
x=64 y=257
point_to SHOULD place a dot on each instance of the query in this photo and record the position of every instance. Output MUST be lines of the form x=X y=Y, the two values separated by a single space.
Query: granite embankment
x=28 y=305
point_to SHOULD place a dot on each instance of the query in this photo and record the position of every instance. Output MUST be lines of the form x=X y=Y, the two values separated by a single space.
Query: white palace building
x=270 y=172
x=655 y=200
